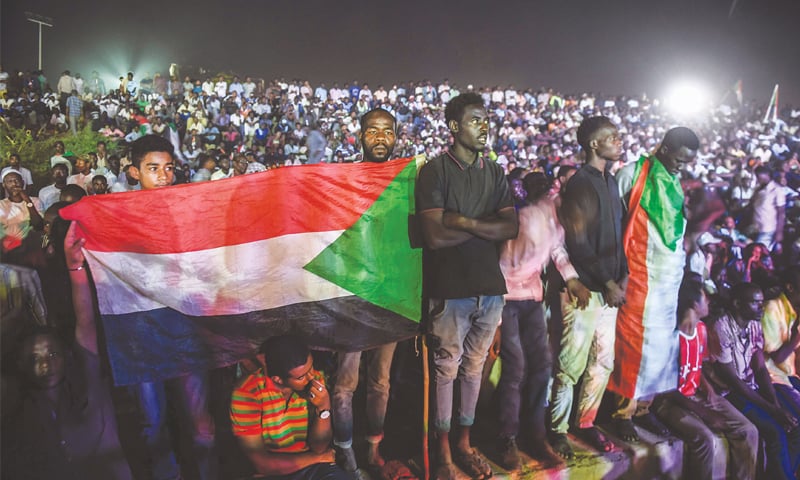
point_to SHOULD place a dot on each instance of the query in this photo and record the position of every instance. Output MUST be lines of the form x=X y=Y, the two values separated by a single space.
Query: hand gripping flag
x=196 y=276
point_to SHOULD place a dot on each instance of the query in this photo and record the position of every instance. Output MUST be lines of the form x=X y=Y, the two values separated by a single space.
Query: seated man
x=83 y=174
x=695 y=412
x=736 y=343
x=99 y=185
x=781 y=336
x=281 y=415
x=19 y=217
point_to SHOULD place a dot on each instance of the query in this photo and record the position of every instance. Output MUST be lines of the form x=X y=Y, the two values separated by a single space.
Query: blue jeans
x=782 y=448
x=789 y=398
x=189 y=396
x=795 y=382
x=461 y=332
x=527 y=363
x=378 y=367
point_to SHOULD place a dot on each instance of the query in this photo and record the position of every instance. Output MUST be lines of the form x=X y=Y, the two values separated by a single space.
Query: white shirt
x=48 y=196
x=13 y=216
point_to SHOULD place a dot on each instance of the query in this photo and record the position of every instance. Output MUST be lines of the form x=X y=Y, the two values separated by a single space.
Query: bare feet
x=445 y=471
x=545 y=455
x=508 y=454
x=374 y=458
x=595 y=438
x=626 y=430
x=561 y=445
x=473 y=464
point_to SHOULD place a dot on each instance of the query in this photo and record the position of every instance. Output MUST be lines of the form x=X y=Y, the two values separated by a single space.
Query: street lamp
x=41 y=20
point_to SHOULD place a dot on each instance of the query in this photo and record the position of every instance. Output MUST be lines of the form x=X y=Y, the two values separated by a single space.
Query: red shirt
x=693 y=350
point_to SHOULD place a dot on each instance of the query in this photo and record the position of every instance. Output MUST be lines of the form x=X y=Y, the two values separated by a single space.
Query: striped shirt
x=258 y=407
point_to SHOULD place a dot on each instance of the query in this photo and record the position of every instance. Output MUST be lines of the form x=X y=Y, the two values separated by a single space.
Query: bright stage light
x=688 y=98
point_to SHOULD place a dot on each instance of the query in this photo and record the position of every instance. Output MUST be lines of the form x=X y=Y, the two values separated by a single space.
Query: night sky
x=612 y=46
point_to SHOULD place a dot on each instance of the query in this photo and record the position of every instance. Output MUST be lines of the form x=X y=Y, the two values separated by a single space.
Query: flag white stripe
x=221 y=281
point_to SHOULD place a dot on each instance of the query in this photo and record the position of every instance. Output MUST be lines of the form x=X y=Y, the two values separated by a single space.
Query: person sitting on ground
x=50 y=194
x=736 y=344
x=83 y=174
x=695 y=411
x=281 y=414
x=99 y=185
x=72 y=193
x=207 y=167
x=240 y=164
x=224 y=170
x=128 y=185
x=781 y=335
x=755 y=266
x=19 y=217
x=14 y=164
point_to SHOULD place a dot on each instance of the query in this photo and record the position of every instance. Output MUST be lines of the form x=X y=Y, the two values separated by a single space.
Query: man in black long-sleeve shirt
x=591 y=213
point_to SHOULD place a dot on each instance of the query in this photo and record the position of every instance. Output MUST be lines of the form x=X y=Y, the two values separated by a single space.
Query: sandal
x=596 y=439
x=473 y=464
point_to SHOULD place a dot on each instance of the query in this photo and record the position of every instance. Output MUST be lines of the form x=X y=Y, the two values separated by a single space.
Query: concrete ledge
x=651 y=458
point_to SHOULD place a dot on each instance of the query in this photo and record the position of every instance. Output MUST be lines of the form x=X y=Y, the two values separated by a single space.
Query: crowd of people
x=650 y=265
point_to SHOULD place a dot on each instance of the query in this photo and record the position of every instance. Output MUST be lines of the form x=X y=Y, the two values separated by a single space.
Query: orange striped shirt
x=259 y=408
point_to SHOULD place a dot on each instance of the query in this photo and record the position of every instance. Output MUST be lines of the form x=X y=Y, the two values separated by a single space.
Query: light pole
x=40 y=20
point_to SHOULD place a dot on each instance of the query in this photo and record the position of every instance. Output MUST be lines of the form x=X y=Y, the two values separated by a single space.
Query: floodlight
x=687 y=98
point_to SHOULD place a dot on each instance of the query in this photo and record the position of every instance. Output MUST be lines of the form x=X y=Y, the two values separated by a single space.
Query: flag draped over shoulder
x=196 y=276
x=662 y=199
x=646 y=346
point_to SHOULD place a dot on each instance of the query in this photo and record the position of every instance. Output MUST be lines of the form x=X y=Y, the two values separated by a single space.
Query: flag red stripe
x=309 y=198
x=630 y=328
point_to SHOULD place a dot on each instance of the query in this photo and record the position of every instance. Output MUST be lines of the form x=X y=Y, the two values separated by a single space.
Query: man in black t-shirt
x=465 y=210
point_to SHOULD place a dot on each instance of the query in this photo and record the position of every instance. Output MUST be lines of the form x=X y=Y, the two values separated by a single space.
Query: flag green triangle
x=662 y=199
x=373 y=259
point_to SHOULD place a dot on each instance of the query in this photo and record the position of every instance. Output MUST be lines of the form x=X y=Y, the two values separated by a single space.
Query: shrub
x=36 y=148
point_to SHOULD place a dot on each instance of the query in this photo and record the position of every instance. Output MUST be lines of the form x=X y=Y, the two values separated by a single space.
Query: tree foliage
x=36 y=148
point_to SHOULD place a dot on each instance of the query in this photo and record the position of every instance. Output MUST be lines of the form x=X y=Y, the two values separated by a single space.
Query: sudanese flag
x=646 y=346
x=196 y=276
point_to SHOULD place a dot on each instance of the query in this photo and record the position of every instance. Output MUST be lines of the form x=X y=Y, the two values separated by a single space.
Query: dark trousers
x=782 y=448
x=527 y=365
x=318 y=471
